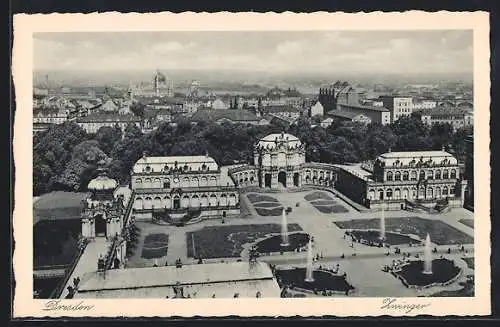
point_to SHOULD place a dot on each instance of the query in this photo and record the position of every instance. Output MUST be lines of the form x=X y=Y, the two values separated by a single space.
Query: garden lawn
x=440 y=232
x=58 y=206
x=337 y=208
x=269 y=212
x=468 y=222
x=227 y=241
x=253 y=197
x=318 y=196
x=55 y=242
x=266 y=205
x=155 y=246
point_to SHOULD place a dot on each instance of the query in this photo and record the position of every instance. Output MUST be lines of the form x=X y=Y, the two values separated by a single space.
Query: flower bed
x=440 y=232
x=155 y=246
x=318 y=195
x=444 y=272
x=269 y=212
x=337 y=208
x=227 y=241
x=260 y=198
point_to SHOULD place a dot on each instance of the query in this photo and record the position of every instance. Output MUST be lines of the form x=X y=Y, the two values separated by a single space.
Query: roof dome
x=102 y=181
x=272 y=141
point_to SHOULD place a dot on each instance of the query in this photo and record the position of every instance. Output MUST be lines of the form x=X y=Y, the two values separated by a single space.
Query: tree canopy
x=65 y=157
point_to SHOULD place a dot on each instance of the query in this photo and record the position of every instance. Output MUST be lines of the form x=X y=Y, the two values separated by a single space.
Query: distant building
x=51 y=115
x=455 y=117
x=326 y=122
x=284 y=111
x=93 y=122
x=424 y=104
x=398 y=106
x=316 y=110
x=329 y=96
x=161 y=86
x=340 y=115
x=379 y=115
x=232 y=116
x=218 y=104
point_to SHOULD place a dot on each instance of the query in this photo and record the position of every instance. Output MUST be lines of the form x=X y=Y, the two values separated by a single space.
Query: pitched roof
x=282 y=108
x=106 y=117
x=215 y=115
x=359 y=106
x=343 y=114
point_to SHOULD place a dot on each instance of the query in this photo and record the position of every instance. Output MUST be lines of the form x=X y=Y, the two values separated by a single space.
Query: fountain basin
x=444 y=272
x=273 y=244
x=373 y=236
x=323 y=280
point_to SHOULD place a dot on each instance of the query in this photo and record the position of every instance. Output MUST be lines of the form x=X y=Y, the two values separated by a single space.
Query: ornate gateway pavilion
x=181 y=188
x=280 y=162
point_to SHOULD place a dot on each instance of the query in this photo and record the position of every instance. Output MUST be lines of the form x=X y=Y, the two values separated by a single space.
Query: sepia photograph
x=219 y=164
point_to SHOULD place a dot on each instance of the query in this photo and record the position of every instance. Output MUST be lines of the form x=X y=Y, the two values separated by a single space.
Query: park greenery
x=65 y=157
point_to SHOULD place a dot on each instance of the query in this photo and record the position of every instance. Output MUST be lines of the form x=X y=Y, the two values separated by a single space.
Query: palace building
x=182 y=187
x=280 y=161
x=398 y=179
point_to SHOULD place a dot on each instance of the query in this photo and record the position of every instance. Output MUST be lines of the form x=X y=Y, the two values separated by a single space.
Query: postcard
x=251 y=164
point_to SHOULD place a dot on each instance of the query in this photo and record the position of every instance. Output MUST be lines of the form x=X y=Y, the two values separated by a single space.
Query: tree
x=107 y=137
x=138 y=109
x=440 y=135
x=52 y=150
x=80 y=170
x=412 y=134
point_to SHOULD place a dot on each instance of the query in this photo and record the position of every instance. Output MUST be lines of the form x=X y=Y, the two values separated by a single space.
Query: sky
x=309 y=51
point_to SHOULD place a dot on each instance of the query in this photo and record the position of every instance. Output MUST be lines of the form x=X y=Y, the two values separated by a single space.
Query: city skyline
x=372 y=52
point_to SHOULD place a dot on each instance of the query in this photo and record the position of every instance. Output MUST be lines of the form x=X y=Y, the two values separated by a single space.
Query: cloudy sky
x=317 y=51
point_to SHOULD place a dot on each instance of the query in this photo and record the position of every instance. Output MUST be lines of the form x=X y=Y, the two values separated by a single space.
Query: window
x=389 y=193
x=405 y=175
x=422 y=175
x=445 y=174
x=430 y=174
x=389 y=175
x=453 y=174
x=413 y=175
x=397 y=176
x=438 y=174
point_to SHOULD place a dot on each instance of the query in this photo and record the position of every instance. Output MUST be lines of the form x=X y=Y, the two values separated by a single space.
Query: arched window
x=405 y=175
x=389 y=193
x=421 y=175
x=397 y=193
x=445 y=191
x=430 y=174
x=413 y=175
x=453 y=174
x=389 y=176
x=438 y=174
x=430 y=193
x=397 y=176
x=445 y=174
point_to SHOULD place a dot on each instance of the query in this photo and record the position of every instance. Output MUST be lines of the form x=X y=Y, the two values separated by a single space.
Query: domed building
x=279 y=159
x=103 y=213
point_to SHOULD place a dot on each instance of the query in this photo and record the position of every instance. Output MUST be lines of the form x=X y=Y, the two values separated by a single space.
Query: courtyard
x=216 y=240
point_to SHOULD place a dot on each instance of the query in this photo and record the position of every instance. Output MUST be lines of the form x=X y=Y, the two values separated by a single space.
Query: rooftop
x=363 y=107
x=107 y=117
x=208 y=273
x=230 y=114
x=415 y=154
x=343 y=114
x=157 y=164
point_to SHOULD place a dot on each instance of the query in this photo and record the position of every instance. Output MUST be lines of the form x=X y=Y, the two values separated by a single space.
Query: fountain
x=309 y=268
x=382 y=225
x=427 y=256
x=284 y=230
